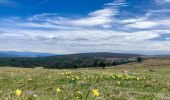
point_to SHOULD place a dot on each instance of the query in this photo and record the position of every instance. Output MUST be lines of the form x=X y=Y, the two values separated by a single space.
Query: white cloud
x=116 y=4
x=79 y=39
x=42 y=16
x=99 y=17
x=147 y=24
x=132 y=20
x=45 y=25
x=152 y=19
x=144 y=24
x=96 y=18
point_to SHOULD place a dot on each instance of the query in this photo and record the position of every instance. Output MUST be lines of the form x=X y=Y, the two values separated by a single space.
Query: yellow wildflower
x=95 y=92
x=18 y=92
x=58 y=90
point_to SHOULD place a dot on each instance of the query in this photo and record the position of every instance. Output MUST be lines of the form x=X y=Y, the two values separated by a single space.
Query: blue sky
x=76 y=26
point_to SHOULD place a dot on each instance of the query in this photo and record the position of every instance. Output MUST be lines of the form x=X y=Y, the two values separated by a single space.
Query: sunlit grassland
x=145 y=81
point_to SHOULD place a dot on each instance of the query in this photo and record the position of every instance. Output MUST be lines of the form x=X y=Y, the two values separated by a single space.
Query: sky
x=79 y=26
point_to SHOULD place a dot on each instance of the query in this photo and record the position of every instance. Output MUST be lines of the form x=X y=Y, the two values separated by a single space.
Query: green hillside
x=148 y=80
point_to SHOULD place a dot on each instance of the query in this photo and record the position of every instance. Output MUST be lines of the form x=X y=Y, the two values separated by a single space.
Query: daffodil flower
x=95 y=92
x=18 y=92
x=58 y=90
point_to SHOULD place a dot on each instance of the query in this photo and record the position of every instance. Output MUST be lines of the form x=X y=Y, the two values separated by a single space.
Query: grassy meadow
x=149 y=80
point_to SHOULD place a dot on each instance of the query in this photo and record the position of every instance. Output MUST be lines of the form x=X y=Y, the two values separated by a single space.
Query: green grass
x=127 y=82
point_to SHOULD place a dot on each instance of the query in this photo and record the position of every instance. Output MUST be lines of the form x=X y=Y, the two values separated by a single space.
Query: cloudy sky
x=76 y=26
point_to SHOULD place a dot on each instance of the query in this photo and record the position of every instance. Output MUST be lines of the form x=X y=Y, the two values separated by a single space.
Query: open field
x=149 y=80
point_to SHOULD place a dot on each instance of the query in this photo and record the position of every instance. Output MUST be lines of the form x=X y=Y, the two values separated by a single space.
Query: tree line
x=63 y=62
x=103 y=64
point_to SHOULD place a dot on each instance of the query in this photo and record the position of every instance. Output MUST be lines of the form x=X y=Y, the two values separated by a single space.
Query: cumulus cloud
x=77 y=40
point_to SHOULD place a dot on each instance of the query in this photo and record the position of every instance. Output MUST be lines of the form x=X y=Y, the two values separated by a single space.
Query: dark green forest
x=69 y=61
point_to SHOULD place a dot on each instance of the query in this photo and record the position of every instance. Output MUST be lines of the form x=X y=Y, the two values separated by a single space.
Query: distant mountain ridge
x=91 y=55
x=105 y=55
x=24 y=54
